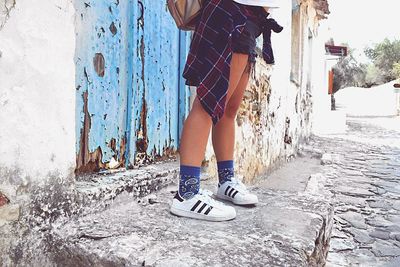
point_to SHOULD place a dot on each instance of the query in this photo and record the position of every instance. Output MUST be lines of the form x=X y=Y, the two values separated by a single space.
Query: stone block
x=3 y=200
x=10 y=212
x=326 y=159
x=385 y=249
x=285 y=229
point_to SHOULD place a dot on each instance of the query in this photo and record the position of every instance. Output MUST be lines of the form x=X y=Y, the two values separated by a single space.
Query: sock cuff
x=226 y=164
x=190 y=170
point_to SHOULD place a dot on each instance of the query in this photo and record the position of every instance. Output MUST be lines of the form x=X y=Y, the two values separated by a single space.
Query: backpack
x=185 y=13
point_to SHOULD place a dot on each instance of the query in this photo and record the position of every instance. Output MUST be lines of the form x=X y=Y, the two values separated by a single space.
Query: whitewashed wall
x=276 y=114
x=37 y=94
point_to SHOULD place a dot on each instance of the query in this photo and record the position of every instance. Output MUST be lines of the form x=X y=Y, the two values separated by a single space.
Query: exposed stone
x=352 y=201
x=295 y=176
x=378 y=222
x=378 y=190
x=366 y=195
x=362 y=257
x=326 y=159
x=288 y=229
x=396 y=205
x=3 y=200
x=394 y=236
x=355 y=219
x=316 y=185
x=379 y=204
x=380 y=234
x=339 y=234
x=361 y=236
x=342 y=222
x=393 y=263
x=322 y=7
x=393 y=228
x=346 y=208
x=385 y=249
x=101 y=190
x=314 y=151
x=338 y=245
x=350 y=172
x=394 y=218
x=5 y=8
x=355 y=192
x=9 y=212
x=366 y=211
x=337 y=259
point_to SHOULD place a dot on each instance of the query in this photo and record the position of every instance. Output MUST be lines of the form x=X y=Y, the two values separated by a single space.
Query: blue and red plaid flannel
x=208 y=62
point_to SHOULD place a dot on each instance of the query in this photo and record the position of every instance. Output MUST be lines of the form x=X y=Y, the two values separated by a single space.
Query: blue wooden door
x=130 y=97
x=155 y=99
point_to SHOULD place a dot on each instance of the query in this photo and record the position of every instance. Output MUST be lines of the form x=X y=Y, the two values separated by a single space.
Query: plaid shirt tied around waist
x=208 y=62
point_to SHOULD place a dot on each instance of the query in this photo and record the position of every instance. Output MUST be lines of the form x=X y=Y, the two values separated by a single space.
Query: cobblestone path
x=366 y=189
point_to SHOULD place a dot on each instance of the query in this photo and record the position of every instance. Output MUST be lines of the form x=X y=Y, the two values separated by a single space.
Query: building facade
x=96 y=86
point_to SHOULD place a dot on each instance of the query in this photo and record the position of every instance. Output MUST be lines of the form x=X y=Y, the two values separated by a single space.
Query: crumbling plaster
x=276 y=114
x=5 y=8
x=37 y=118
x=37 y=123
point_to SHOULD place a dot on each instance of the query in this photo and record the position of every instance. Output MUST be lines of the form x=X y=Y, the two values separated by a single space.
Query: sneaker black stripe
x=234 y=194
x=195 y=205
x=226 y=190
x=178 y=197
x=202 y=207
x=208 y=210
x=231 y=191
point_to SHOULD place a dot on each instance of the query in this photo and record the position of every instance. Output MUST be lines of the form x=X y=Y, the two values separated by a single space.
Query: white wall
x=325 y=121
x=37 y=93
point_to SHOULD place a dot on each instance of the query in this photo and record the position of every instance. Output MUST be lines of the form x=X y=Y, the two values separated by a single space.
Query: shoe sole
x=235 y=201
x=188 y=214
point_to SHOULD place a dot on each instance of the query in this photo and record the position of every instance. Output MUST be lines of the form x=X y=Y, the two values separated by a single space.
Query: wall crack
x=5 y=8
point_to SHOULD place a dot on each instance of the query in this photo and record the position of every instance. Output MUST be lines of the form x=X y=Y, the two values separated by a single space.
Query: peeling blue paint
x=184 y=92
x=134 y=103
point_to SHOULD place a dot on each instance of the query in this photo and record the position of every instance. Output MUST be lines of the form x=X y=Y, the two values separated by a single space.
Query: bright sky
x=364 y=22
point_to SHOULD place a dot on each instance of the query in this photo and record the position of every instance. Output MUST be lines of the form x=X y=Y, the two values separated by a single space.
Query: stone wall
x=276 y=114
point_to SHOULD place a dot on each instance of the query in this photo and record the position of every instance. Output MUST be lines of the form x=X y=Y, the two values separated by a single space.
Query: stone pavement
x=366 y=188
x=286 y=229
x=341 y=189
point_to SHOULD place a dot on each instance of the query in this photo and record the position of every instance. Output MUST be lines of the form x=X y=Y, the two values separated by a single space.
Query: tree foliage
x=396 y=70
x=348 y=72
x=373 y=76
x=384 y=66
x=386 y=57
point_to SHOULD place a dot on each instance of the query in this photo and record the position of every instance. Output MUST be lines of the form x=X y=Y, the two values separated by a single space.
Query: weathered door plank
x=102 y=77
x=155 y=104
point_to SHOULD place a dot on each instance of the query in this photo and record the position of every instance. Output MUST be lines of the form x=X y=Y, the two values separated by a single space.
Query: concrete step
x=98 y=191
x=287 y=228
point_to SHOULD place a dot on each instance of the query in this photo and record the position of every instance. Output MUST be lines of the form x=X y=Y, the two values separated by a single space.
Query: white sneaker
x=236 y=192
x=202 y=206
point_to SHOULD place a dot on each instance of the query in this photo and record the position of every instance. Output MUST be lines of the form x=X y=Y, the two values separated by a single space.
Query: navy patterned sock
x=189 y=181
x=225 y=171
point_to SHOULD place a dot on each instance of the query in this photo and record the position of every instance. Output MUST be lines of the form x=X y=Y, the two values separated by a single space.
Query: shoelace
x=206 y=197
x=239 y=185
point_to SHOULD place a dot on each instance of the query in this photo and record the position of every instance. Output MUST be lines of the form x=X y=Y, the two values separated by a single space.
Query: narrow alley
x=93 y=147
